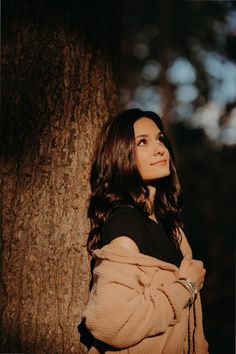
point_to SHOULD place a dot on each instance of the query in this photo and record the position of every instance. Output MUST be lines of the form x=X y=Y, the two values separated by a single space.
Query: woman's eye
x=161 y=138
x=142 y=142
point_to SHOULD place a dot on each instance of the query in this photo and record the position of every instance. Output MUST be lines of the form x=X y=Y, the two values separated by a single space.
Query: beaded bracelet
x=190 y=286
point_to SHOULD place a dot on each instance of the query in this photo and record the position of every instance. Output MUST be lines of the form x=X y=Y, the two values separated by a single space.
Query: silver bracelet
x=190 y=286
x=190 y=283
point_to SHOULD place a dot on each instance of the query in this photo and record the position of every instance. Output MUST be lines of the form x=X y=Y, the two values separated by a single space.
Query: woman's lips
x=160 y=162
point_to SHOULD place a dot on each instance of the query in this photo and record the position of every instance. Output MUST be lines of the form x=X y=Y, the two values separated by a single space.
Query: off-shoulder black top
x=149 y=236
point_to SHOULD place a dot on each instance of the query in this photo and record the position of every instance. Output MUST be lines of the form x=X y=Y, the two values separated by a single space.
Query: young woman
x=145 y=294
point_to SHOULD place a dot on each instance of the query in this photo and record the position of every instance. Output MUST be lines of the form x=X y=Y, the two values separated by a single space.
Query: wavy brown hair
x=115 y=179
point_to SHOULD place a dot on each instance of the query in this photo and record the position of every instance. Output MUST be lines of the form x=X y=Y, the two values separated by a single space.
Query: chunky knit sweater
x=136 y=307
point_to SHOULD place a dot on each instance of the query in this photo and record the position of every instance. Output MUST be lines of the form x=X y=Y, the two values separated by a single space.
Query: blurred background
x=178 y=59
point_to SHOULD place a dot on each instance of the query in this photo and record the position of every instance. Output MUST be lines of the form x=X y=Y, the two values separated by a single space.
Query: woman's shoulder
x=126 y=213
x=125 y=220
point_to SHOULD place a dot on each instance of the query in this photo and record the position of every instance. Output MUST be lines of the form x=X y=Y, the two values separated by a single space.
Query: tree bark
x=59 y=72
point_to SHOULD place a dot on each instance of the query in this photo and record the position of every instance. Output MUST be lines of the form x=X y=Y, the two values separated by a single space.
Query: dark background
x=178 y=59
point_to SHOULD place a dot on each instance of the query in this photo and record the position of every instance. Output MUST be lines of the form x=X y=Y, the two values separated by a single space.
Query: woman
x=145 y=295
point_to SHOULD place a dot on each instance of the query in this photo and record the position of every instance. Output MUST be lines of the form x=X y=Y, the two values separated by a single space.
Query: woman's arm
x=125 y=307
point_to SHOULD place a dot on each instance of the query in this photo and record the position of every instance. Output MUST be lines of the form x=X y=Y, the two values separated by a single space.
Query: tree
x=59 y=72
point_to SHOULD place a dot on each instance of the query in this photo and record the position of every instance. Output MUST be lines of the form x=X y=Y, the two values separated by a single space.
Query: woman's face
x=151 y=155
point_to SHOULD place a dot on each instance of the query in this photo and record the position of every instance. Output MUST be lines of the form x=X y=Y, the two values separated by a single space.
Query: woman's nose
x=158 y=148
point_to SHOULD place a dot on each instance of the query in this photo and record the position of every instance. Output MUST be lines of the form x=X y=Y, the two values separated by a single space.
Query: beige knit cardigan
x=136 y=307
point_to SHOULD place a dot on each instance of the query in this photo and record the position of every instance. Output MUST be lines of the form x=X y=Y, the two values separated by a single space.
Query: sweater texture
x=136 y=307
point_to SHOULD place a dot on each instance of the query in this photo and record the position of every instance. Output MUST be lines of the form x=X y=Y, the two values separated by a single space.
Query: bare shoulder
x=125 y=242
x=181 y=231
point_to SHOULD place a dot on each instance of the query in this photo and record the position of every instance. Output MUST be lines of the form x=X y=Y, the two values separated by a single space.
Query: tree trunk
x=59 y=84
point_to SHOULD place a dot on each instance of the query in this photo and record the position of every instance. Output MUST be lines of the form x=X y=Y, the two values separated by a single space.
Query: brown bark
x=59 y=84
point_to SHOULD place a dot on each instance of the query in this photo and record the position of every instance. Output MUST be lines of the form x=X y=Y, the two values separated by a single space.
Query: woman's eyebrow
x=141 y=136
x=146 y=135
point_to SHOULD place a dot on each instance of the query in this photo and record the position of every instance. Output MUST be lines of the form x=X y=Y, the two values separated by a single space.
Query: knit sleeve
x=125 y=221
x=125 y=306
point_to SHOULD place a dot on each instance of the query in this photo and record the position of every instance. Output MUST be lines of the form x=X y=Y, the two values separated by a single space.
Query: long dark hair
x=115 y=179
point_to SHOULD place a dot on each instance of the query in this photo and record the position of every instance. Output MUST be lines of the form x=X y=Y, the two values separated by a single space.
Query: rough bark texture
x=59 y=84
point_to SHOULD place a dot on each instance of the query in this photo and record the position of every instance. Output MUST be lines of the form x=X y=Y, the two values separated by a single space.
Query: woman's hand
x=193 y=270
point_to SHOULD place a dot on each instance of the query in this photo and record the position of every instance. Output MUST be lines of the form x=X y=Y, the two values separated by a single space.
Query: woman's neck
x=152 y=192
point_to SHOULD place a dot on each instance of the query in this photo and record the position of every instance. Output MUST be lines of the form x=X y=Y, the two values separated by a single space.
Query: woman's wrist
x=190 y=286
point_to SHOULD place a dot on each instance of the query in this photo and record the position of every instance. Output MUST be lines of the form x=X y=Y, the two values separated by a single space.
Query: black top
x=149 y=236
